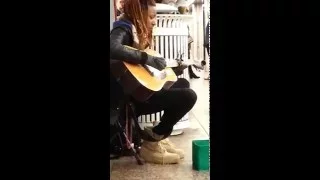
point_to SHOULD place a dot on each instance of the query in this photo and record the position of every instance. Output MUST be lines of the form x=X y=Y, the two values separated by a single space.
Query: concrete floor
x=126 y=168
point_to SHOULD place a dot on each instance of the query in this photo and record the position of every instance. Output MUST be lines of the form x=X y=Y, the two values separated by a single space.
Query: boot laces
x=167 y=141
x=162 y=150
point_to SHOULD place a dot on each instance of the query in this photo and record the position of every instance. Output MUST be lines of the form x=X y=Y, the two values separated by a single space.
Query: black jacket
x=121 y=35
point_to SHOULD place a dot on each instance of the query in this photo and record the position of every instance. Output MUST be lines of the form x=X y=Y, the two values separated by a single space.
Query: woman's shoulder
x=122 y=22
x=123 y=26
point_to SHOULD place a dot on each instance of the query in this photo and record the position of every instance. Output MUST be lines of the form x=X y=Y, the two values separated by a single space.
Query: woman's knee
x=182 y=83
x=190 y=97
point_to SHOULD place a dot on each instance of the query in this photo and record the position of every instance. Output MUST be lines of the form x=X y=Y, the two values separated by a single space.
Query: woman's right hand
x=156 y=62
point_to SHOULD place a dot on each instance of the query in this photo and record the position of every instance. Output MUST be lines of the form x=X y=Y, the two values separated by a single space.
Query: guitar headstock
x=179 y=58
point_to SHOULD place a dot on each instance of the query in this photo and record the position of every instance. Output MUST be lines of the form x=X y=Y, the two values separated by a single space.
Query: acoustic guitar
x=142 y=81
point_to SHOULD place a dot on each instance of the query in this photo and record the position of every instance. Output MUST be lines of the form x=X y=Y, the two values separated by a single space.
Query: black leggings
x=175 y=102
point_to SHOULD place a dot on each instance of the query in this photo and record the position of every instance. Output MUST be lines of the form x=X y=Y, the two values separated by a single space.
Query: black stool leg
x=143 y=135
x=139 y=161
x=136 y=124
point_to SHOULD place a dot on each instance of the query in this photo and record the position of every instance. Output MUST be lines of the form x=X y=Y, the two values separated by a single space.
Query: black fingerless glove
x=156 y=62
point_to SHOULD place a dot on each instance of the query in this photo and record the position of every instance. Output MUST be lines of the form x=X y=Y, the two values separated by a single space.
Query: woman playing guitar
x=134 y=29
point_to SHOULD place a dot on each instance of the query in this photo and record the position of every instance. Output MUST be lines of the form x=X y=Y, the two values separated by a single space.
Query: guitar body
x=138 y=82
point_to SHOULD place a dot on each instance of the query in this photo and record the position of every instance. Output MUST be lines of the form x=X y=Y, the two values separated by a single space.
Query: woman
x=207 y=44
x=134 y=28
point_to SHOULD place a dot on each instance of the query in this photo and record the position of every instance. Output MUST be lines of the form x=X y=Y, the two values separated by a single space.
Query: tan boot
x=153 y=152
x=171 y=148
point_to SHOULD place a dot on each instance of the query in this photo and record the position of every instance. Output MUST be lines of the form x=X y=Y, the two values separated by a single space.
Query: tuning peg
x=181 y=56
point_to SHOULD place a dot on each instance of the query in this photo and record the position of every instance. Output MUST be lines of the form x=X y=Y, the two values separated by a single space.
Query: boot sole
x=159 y=162
x=155 y=161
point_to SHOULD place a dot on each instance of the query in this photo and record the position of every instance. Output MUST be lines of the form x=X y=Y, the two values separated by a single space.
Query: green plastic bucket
x=200 y=154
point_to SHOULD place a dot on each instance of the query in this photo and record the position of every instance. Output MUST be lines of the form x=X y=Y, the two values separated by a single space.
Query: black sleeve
x=120 y=37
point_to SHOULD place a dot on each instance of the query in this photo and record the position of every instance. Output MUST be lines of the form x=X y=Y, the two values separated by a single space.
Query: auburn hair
x=137 y=12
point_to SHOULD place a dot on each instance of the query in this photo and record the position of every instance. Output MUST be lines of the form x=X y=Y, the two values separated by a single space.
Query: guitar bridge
x=155 y=73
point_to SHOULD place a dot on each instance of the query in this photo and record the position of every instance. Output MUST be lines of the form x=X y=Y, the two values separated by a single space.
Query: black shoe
x=191 y=73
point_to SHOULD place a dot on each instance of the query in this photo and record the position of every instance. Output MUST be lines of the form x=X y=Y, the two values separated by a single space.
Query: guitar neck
x=175 y=63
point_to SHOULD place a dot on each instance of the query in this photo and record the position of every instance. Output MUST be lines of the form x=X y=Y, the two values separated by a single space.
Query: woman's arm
x=120 y=37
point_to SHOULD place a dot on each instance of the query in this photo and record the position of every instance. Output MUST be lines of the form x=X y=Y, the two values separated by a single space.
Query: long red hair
x=137 y=12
